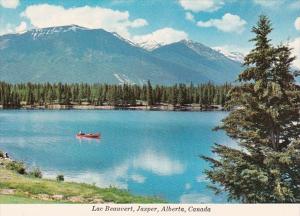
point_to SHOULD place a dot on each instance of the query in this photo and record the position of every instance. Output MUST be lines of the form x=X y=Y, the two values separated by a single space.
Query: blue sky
x=216 y=23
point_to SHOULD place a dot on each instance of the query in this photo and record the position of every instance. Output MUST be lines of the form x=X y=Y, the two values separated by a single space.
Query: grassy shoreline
x=24 y=188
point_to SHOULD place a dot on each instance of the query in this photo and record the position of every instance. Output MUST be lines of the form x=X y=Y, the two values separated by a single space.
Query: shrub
x=36 y=172
x=17 y=166
x=1 y=154
x=60 y=178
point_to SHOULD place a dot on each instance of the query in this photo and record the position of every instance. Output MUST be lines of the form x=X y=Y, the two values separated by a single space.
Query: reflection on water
x=148 y=153
x=87 y=140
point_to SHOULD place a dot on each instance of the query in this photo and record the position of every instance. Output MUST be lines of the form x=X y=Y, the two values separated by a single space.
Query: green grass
x=12 y=199
x=27 y=187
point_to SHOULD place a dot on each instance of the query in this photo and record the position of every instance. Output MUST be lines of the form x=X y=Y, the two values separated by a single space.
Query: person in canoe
x=81 y=133
x=88 y=135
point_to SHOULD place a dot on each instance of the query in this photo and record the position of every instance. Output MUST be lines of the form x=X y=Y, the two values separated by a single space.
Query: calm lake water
x=148 y=153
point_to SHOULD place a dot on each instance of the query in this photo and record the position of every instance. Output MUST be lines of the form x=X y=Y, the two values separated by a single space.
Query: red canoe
x=89 y=135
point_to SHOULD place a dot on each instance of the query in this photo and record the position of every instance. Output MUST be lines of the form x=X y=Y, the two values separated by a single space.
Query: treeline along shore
x=190 y=97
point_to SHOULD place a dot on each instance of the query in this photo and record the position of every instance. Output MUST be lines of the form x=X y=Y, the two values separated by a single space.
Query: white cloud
x=297 y=23
x=189 y=16
x=233 y=48
x=228 y=23
x=45 y=15
x=187 y=186
x=201 y=5
x=195 y=198
x=138 y=178
x=138 y=23
x=116 y=176
x=120 y=174
x=21 y=28
x=158 y=163
x=8 y=29
x=201 y=179
x=295 y=44
x=269 y=3
x=9 y=3
x=161 y=36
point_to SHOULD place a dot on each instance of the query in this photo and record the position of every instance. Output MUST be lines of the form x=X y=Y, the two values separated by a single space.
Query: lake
x=148 y=153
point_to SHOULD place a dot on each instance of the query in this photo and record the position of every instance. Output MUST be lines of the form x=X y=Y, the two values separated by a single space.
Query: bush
x=1 y=154
x=60 y=178
x=17 y=166
x=36 y=172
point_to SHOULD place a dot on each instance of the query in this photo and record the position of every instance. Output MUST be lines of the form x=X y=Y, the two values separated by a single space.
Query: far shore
x=160 y=107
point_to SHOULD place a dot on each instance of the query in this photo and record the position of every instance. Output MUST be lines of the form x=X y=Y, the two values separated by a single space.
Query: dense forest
x=15 y=95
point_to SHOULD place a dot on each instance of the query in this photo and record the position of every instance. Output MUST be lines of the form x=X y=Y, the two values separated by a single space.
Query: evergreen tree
x=112 y=96
x=149 y=94
x=266 y=165
x=181 y=97
x=29 y=95
x=99 y=94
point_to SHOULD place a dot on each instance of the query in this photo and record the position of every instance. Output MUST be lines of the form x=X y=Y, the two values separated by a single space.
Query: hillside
x=76 y=54
x=198 y=57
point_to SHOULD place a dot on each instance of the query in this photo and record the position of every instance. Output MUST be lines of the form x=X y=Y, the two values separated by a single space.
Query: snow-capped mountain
x=42 y=32
x=200 y=58
x=235 y=56
x=77 y=54
x=150 y=45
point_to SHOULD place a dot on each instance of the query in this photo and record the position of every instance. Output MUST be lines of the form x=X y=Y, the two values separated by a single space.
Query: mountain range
x=77 y=54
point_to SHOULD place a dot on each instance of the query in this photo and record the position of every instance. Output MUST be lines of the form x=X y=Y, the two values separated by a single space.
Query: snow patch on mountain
x=123 y=39
x=150 y=45
x=233 y=55
x=201 y=49
x=123 y=79
x=41 y=32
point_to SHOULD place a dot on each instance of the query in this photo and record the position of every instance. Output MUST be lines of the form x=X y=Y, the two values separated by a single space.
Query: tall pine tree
x=149 y=94
x=265 y=167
